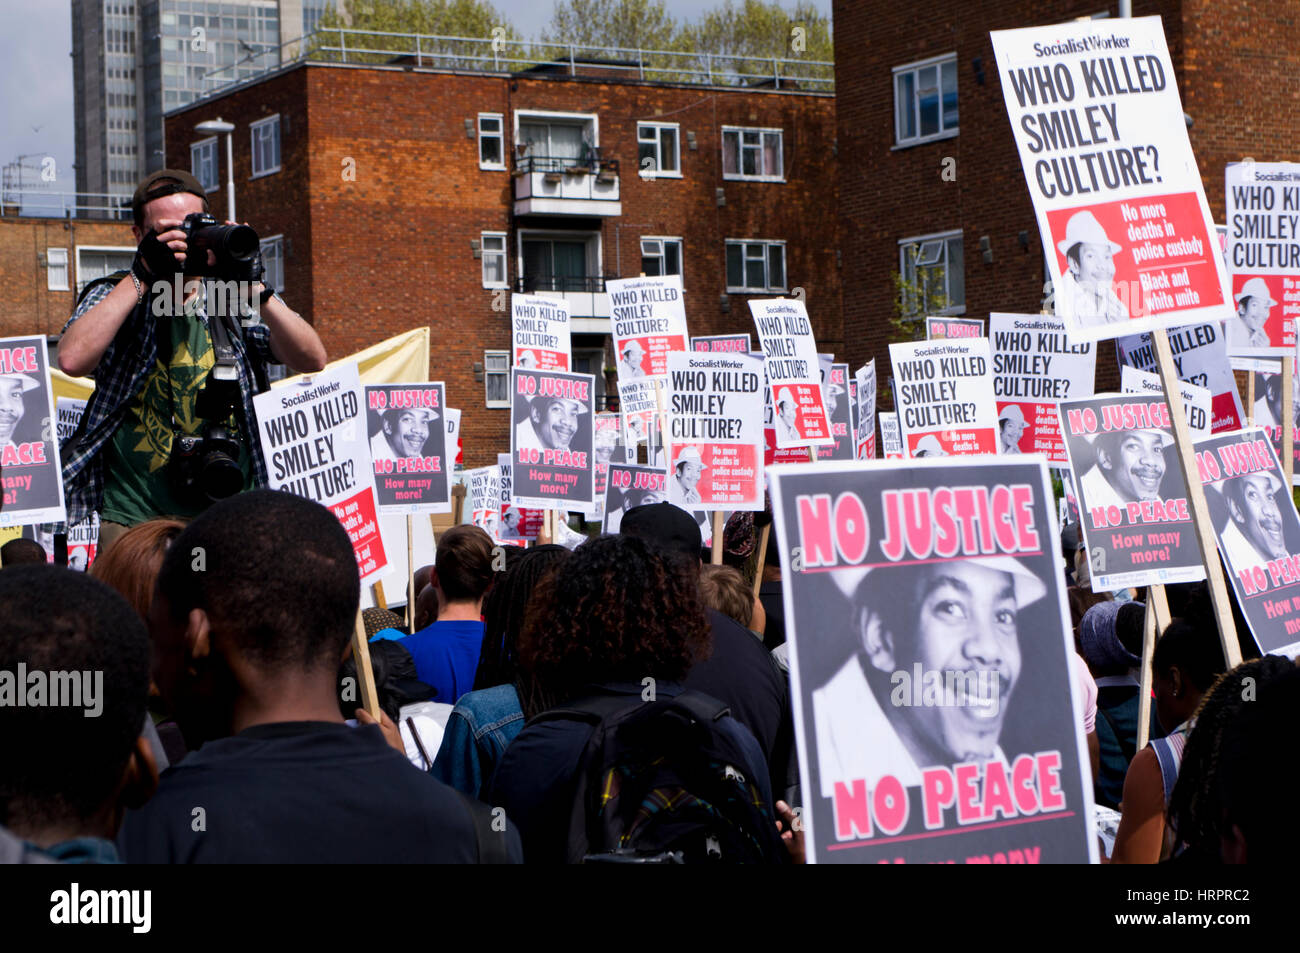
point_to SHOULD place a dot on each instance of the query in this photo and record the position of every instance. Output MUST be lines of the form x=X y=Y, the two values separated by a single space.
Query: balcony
x=588 y=302
x=563 y=185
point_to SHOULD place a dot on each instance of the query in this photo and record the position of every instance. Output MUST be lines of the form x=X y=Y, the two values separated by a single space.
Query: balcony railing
x=568 y=165
x=42 y=203
x=531 y=284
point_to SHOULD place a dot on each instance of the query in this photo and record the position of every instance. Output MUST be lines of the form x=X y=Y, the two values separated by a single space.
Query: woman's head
x=1186 y=662
x=619 y=609
x=131 y=564
x=504 y=611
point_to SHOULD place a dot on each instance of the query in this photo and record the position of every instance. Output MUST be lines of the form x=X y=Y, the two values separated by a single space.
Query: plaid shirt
x=119 y=377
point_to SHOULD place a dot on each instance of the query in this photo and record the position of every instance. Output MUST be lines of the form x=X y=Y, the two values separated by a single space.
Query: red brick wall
x=26 y=306
x=889 y=194
x=391 y=250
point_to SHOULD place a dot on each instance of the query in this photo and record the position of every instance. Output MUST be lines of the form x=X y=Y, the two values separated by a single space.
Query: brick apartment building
x=913 y=93
x=392 y=196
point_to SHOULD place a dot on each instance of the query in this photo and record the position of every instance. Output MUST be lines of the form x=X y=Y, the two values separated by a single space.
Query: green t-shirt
x=138 y=485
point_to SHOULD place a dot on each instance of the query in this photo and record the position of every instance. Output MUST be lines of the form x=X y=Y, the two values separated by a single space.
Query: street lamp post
x=211 y=128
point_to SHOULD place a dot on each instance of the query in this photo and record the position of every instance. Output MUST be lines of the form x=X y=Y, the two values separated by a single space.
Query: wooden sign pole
x=1196 y=498
x=1144 y=691
x=1288 y=419
x=457 y=504
x=379 y=595
x=410 y=572
x=762 y=557
x=715 y=551
x=365 y=675
x=1250 y=397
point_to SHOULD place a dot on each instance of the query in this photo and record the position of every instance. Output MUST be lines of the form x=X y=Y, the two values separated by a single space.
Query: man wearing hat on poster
x=786 y=412
x=527 y=359
x=929 y=446
x=1254 y=532
x=951 y=621
x=1130 y=467
x=1089 y=256
x=1253 y=304
x=1012 y=424
x=404 y=433
x=152 y=355
x=12 y=405
x=833 y=394
x=689 y=467
x=629 y=362
x=551 y=424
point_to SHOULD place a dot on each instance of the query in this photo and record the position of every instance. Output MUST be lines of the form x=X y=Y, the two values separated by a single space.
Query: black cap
x=160 y=183
x=668 y=525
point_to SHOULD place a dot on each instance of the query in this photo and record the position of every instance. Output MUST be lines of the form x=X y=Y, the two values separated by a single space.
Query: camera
x=205 y=468
x=236 y=249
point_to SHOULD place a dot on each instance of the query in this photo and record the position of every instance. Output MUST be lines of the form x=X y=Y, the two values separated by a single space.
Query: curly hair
x=505 y=610
x=621 y=608
x=1195 y=810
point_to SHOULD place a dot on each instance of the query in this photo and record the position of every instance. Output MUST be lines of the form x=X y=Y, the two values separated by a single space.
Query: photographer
x=170 y=425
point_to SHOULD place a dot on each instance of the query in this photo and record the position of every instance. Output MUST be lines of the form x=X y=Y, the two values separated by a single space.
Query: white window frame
x=254 y=131
x=278 y=242
x=767 y=244
x=942 y=238
x=937 y=62
x=542 y=115
x=661 y=239
x=488 y=372
x=779 y=176
x=94 y=248
x=503 y=252
x=656 y=128
x=500 y=135
x=51 y=254
x=209 y=146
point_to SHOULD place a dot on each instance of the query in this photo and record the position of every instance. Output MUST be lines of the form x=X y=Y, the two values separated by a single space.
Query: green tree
x=756 y=32
x=476 y=19
x=598 y=24
x=914 y=299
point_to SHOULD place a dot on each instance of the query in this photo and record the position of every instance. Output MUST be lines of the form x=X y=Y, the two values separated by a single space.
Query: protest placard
x=722 y=344
x=314 y=440
x=865 y=379
x=552 y=438
x=1263 y=255
x=539 y=333
x=838 y=410
x=930 y=663
x=1136 y=520
x=1196 y=400
x=1035 y=365
x=67 y=415
x=945 y=397
x=629 y=486
x=408 y=447
x=715 y=433
x=83 y=543
x=1200 y=358
x=483 y=498
x=1269 y=407
x=1258 y=533
x=610 y=447
x=939 y=328
x=30 y=473
x=1121 y=209
x=793 y=373
x=452 y=416
x=891 y=437
x=518 y=523
x=648 y=318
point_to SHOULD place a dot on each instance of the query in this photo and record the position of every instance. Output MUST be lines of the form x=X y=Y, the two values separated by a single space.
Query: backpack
x=659 y=782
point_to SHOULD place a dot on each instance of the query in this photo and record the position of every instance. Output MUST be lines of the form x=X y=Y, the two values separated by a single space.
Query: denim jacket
x=479 y=729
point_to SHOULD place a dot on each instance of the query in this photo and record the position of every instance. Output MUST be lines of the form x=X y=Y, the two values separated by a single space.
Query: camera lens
x=240 y=242
x=220 y=476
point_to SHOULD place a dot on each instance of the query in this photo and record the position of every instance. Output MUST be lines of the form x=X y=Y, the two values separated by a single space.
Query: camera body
x=236 y=249
x=205 y=468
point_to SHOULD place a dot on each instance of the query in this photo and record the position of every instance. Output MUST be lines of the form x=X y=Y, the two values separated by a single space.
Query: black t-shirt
x=742 y=673
x=301 y=792
x=772 y=597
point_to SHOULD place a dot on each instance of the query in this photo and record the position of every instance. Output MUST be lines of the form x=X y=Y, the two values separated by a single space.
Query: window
x=557 y=263
x=934 y=278
x=661 y=256
x=491 y=142
x=496 y=378
x=273 y=262
x=752 y=154
x=925 y=100
x=266 y=146
x=203 y=163
x=555 y=142
x=658 y=153
x=755 y=266
x=494 y=259
x=96 y=262
x=56 y=273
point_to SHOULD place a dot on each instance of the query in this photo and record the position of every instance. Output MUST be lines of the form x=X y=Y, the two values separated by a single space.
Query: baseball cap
x=670 y=526
x=160 y=183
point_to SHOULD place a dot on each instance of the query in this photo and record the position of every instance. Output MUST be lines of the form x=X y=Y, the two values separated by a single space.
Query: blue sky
x=36 y=72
